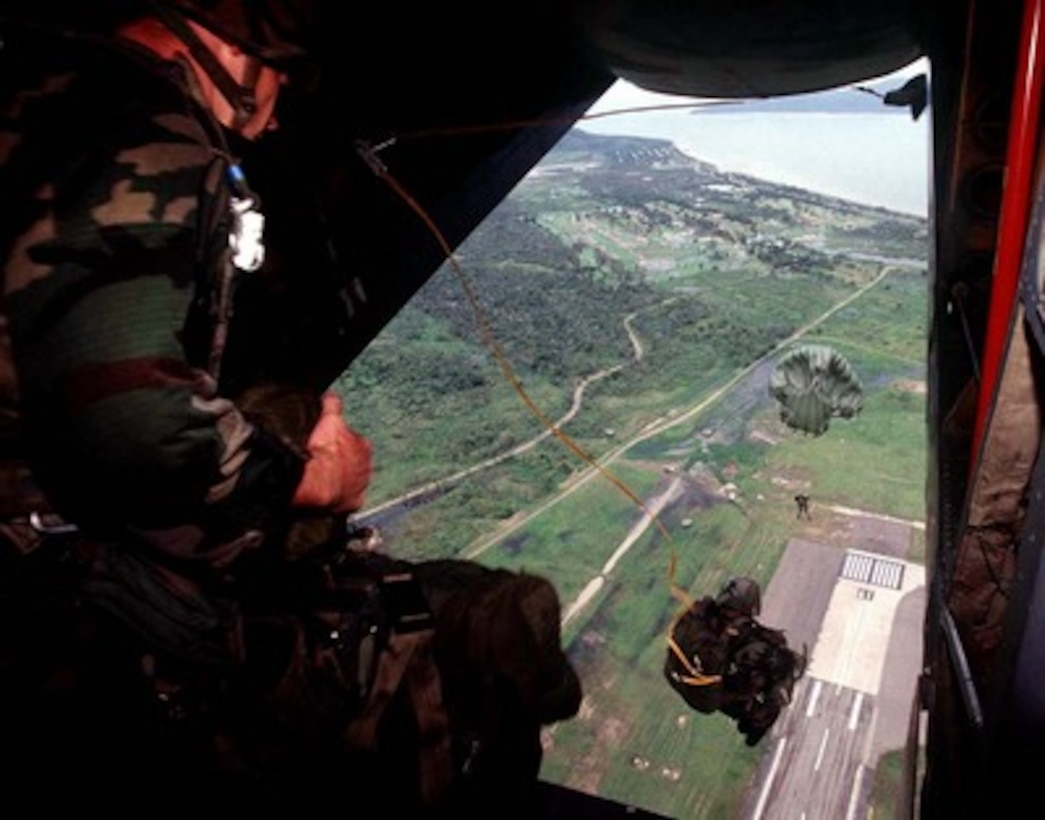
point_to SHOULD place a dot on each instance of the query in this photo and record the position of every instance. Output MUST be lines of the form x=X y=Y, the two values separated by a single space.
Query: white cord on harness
x=246 y=237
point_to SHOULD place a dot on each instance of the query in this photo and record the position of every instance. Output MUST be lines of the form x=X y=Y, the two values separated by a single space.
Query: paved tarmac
x=859 y=612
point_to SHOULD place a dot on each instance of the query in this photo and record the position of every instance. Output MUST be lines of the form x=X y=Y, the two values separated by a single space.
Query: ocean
x=880 y=159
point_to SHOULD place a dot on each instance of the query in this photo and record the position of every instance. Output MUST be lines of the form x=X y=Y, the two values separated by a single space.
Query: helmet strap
x=239 y=97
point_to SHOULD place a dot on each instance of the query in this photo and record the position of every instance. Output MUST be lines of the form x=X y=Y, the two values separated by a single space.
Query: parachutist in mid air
x=720 y=658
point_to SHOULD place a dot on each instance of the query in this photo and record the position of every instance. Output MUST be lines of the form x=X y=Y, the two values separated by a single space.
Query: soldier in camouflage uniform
x=126 y=218
x=720 y=658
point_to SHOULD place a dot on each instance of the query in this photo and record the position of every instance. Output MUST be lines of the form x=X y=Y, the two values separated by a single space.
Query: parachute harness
x=239 y=95
x=695 y=676
x=246 y=254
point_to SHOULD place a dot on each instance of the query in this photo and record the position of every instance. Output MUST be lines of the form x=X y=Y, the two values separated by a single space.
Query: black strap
x=240 y=97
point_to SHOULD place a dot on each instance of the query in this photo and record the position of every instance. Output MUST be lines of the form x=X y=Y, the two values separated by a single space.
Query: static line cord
x=369 y=155
x=513 y=125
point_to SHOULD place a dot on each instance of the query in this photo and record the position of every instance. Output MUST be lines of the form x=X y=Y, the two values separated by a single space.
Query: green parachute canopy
x=813 y=384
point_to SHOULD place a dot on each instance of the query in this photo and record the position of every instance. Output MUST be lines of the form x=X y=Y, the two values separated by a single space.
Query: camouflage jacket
x=115 y=212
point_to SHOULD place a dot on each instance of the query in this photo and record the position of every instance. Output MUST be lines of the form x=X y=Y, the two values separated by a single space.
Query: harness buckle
x=406 y=602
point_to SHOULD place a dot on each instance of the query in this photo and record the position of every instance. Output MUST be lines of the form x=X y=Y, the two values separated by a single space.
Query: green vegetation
x=890 y=788
x=622 y=261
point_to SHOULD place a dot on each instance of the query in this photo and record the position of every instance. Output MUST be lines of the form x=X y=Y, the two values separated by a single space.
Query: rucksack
x=698 y=656
x=761 y=679
x=736 y=665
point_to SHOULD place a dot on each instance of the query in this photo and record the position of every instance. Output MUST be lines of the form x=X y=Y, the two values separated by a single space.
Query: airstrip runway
x=859 y=611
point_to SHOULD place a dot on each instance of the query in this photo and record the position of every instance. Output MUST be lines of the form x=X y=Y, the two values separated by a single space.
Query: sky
x=877 y=155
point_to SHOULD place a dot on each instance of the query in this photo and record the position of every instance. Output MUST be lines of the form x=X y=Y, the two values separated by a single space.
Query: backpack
x=737 y=666
x=698 y=656
x=761 y=679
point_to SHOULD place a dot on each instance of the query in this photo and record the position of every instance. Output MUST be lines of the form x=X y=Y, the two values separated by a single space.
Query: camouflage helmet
x=742 y=595
x=275 y=31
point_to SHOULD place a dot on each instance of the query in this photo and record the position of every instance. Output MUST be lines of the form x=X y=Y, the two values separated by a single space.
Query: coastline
x=880 y=159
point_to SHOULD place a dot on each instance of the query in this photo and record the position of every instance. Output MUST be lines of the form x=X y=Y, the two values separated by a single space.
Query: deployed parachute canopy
x=814 y=383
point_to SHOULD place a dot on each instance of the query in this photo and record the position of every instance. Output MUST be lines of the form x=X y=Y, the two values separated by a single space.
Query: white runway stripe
x=868 y=569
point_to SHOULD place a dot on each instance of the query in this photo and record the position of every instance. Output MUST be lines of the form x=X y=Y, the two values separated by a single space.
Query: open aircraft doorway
x=639 y=288
x=615 y=317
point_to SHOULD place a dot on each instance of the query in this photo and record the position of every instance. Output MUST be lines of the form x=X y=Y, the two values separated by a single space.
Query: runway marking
x=854 y=715
x=875 y=570
x=820 y=751
x=813 y=697
x=852 y=630
x=854 y=794
x=769 y=778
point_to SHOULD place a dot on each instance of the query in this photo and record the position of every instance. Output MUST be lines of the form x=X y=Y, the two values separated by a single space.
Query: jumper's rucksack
x=761 y=679
x=732 y=663
x=698 y=656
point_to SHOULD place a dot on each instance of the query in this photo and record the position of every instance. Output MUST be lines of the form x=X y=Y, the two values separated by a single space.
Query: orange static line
x=382 y=172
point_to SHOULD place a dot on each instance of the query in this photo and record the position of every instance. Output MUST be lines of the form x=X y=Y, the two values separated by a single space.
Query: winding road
x=655 y=428
x=575 y=408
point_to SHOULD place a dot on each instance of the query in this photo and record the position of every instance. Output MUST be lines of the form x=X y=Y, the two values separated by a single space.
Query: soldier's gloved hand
x=338 y=471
